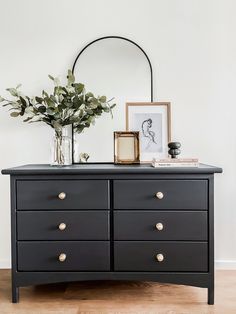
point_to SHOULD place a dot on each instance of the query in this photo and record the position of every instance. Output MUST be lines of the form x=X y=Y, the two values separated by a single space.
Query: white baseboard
x=5 y=263
x=225 y=264
x=219 y=264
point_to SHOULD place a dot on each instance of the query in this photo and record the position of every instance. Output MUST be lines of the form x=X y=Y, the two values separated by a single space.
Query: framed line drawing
x=153 y=122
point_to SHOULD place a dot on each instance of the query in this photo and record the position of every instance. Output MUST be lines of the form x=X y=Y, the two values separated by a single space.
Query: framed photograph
x=126 y=148
x=152 y=121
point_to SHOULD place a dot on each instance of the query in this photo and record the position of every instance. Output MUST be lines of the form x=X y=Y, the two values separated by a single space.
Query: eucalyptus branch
x=69 y=104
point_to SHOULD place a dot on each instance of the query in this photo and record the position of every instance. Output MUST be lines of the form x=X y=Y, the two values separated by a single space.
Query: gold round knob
x=62 y=195
x=159 y=195
x=62 y=257
x=159 y=226
x=160 y=257
x=62 y=226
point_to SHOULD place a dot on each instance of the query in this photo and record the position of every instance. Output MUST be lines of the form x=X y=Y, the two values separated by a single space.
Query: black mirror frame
x=103 y=38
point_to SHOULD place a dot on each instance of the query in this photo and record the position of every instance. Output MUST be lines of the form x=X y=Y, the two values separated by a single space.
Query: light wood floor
x=119 y=297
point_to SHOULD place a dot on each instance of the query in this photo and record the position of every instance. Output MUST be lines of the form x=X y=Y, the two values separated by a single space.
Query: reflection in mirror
x=116 y=68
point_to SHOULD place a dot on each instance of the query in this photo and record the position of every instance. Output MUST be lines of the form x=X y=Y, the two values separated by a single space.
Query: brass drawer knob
x=62 y=195
x=62 y=226
x=160 y=257
x=159 y=226
x=62 y=257
x=159 y=195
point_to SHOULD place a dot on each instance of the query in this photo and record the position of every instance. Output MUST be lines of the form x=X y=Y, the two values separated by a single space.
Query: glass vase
x=62 y=147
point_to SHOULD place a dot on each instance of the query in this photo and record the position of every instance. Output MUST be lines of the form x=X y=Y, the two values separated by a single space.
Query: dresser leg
x=211 y=296
x=15 y=294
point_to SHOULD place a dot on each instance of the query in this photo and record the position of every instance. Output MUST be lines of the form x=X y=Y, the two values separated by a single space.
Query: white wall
x=191 y=44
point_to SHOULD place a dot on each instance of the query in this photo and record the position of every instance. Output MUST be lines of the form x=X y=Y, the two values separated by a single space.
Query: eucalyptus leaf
x=56 y=125
x=65 y=90
x=51 y=77
x=88 y=95
x=27 y=119
x=104 y=105
x=45 y=94
x=79 y=88
x=81 y=113
x=70 y=78
x=93 y=106
x=23 y=101
x=32 y=101
x=39 y=99
x=51 y=110
x=12 y=91
x=53 y=98
x=103 y=99
x=89 y=111
x=58 y=90
x=94 y=100
x=60 y=108
x=14 y=114
x=41 y=109
x=49 y=102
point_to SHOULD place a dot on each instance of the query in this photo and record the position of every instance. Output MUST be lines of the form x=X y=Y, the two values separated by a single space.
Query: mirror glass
x=115 y=68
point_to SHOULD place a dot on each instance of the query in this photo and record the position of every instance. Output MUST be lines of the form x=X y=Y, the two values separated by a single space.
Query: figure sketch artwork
x=150 y=131
x=152 y=120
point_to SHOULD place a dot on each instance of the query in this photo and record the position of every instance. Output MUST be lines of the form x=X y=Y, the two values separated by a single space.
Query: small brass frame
x=126 y=148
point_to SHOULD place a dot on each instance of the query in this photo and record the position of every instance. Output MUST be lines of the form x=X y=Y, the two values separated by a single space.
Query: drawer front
x=177 y=256
x=78 y=194
x=160 y=225
x=177 y=194
x=80 y=256
x=63 y=225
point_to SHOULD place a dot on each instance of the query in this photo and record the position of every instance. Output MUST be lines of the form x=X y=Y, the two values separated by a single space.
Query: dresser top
x=107 y=169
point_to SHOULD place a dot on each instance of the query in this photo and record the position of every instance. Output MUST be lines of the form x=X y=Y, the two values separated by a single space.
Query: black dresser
x=108 y=222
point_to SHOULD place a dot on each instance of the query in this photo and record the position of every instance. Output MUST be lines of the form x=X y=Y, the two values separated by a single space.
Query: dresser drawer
x=177 y=256
x=173 y=194
x=78 y=255
x=160 y=225
x=62 y=194
x=63 y=225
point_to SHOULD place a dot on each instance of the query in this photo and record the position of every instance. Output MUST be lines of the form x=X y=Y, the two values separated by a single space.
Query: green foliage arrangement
x=69 y=104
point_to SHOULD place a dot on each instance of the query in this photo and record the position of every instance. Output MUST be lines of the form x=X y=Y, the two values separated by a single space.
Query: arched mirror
x=116 y=67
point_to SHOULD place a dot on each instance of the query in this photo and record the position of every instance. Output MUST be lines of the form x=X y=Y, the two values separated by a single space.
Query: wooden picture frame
x=153 y=121
x=126 y=148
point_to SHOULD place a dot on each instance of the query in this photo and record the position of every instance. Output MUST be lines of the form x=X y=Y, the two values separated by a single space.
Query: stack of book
x=175 y=162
